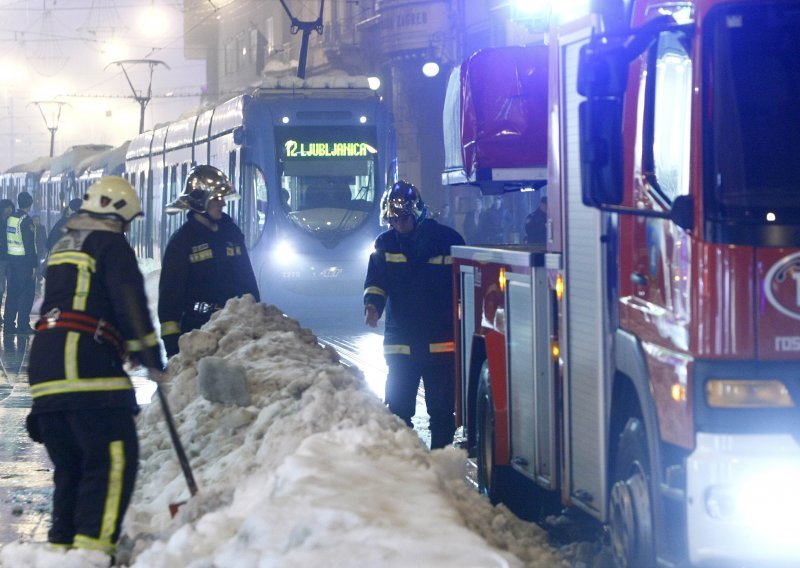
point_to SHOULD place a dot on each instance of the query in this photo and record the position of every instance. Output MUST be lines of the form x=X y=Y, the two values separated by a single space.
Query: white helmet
x=112 y=197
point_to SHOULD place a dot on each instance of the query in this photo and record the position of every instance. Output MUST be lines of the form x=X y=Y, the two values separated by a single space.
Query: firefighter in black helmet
x=94 y=314
x=409 y=277
x=206 y=261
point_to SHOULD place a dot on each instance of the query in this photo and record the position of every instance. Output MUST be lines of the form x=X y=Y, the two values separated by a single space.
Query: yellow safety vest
x=16 y=247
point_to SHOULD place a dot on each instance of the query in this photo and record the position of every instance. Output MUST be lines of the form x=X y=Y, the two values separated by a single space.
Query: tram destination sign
x=300 y=150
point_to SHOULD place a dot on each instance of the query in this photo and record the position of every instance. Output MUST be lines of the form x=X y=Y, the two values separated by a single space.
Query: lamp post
x=51 y=113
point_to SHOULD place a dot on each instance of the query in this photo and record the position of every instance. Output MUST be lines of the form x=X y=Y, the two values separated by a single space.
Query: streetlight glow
x=430 y=69
x=12 y=73
x=374 y=83
x=153 y=21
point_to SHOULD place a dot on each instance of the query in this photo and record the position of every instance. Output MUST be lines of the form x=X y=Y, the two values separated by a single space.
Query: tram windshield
x=752 y=74
x=327 y=177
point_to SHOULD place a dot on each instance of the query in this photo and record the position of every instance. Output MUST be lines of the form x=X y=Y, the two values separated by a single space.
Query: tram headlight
x=285 y=253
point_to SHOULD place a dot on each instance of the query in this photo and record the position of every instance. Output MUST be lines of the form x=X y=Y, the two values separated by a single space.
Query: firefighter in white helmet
x=410 y=277
x=94 y=315
x=206 y=261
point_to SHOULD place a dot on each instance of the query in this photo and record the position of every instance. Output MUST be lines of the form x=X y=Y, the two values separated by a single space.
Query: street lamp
x=51 y=113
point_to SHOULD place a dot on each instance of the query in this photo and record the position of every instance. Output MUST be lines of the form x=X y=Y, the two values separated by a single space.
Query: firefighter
x=94 y=312
x=22 y=262
x=409 y=276
x=206 y=262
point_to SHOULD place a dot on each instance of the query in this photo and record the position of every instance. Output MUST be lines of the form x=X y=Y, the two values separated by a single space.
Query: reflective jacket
x=92 y=272
x=20 y=241
x=202 y=266
x=411 y=278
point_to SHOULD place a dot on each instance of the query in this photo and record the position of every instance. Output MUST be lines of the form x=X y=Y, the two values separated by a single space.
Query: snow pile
x=303 y=466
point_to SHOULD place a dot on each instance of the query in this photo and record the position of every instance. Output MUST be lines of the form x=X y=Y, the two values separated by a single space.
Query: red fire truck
x=644 y=365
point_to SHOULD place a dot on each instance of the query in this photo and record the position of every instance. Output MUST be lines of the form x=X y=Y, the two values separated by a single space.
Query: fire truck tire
x=631 y=512
x=485 y=438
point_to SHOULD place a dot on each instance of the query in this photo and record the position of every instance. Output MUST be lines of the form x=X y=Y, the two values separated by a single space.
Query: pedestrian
x=205 y=262
x=536 y=224
x=445 y=216
x=22 y=262
x=494 y=223
x=6 y=209
x=40 y=242
x=471 y=222
x=58 y=229
x=84 y=404
x=409 y=278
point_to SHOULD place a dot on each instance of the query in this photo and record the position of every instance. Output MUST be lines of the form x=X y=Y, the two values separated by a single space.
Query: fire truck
x=643 y=366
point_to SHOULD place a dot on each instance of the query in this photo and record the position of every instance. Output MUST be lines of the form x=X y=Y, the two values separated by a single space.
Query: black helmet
x=402 y=199
x=202 y=184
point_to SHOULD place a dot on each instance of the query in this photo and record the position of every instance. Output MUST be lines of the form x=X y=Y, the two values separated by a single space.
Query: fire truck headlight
x=768 y=500
x=730 y=393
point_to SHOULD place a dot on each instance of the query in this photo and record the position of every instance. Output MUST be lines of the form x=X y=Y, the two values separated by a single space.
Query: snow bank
x=305 y=467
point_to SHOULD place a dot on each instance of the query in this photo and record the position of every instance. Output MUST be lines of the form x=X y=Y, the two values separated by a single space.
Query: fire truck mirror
x=602 y=70
x=682 y=212
x=601 y=151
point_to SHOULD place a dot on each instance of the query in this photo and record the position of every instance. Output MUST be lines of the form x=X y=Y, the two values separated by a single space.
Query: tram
x=310 y=165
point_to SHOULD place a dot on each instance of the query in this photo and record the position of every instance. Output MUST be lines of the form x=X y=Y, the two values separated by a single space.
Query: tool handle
x=176 y=442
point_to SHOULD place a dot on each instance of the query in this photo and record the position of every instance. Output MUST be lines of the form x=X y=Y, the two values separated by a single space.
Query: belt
x=205 y=307
x=100 y=329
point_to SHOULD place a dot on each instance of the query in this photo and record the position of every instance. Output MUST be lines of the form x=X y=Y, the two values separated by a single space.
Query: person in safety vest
x=94 y=315
x=6 y=209
x=206 y=262
x=409 y=274
x=22 y=262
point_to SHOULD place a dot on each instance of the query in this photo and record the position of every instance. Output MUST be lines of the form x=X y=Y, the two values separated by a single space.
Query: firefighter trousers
x=95 y=453
x=402 y=385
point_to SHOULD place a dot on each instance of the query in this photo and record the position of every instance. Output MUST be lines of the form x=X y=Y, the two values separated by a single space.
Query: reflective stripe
x=148 y=340
x=201 y=256
x=396 y=257
x=116 y=470
x=441 y=259
x=446 y=347
x=169 y=328
x=89 y=543
x=16 y=247
x=85 y=266
x=66 y=386
x=71 y=356
x=73 y=257
x=374 y=290
x=397 y=350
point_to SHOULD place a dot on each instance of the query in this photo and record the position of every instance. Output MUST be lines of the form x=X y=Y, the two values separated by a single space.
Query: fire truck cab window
x=751 y=79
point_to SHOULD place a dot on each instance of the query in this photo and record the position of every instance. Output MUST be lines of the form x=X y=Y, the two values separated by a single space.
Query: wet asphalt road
x=25 y=469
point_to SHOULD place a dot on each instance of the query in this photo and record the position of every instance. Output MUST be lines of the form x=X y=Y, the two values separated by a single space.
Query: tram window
x=254 y=202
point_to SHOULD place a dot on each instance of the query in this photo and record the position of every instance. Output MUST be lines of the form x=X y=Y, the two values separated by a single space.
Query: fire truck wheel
x=631 y=513
x=484 y=417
